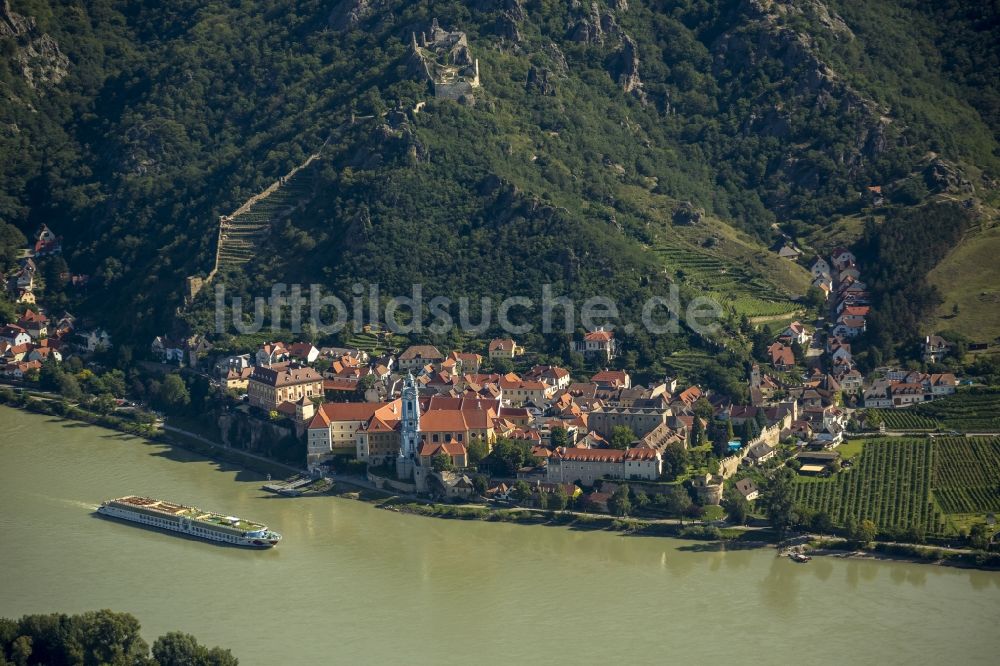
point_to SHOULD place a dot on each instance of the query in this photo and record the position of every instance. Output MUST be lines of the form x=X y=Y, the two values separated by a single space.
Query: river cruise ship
x=190 y=521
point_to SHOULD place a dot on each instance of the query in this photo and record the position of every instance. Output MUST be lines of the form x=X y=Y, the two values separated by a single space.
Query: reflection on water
x=370 y=586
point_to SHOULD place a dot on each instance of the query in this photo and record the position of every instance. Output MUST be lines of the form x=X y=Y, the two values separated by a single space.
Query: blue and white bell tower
x=409 y=429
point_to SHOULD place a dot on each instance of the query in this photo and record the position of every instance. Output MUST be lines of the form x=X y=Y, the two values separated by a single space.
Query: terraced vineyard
x=241 y=233
x=682 y=363
x=967 y=474
x=741 y=289
x=966 y=411
x=890 y=485
x=373 y=344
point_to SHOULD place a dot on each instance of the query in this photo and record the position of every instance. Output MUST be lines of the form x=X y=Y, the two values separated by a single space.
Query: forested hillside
x=601 y=131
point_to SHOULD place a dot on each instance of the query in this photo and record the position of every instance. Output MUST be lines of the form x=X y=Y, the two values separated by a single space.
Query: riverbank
x=713 y=538
x=39 y=403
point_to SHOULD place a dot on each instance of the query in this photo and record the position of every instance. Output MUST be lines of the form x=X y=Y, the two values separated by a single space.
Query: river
x=354 y=584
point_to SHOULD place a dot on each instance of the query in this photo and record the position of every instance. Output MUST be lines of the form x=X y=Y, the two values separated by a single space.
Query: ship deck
x=190 y=512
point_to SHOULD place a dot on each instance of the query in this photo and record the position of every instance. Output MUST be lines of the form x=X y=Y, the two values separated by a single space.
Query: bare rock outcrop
x=349 y=14
x=541 y=81
x=763 y=33
x=628 y=68
x=37 y=54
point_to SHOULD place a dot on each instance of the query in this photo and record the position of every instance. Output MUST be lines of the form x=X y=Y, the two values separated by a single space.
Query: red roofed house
x=454 y=450
x=598 y=343
x=303 y=352
x=795 y=332
x=552 y=375
x=504 y=348
x=612 y=379
x=46 y=242
x=334 y=428
x=15 y=335
x=569 y=465
x=271 y=353
x=35 y=324
x=782 y=357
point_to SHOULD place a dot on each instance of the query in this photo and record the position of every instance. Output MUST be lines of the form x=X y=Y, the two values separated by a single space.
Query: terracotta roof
x=430 y=449
x=619 y=377
x=599 y=336
x=301 y=349
x=690 y=395
x=604 y=455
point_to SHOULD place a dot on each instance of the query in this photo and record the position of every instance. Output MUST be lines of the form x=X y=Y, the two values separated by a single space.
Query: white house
x=796 y=332
x=15 y=335
x=94 y=339
x=820 y=268
x=842 y=258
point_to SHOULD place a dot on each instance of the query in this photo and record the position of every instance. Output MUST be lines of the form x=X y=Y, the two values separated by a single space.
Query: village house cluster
x=37 y=335
x=398 y=412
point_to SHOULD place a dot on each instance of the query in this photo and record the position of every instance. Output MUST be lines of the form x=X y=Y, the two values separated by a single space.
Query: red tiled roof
x=599 y=336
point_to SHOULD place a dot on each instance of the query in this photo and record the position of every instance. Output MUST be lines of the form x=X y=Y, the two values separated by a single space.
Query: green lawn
x=970 y=278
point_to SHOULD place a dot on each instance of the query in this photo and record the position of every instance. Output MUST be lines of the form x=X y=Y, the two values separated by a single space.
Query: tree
x=621 y=437
x=106 y=637
x=798 y=352
x=750 y=431
x=698 y=434
x=173 y=393
x=480 y=484
x=477 y=450
x=69 y=387
x=502 y=365
x=676 y=500
x=777 y=501
x=736 y=505
x=865 y=532
x=441 y=462
x=702 y=408
x=821 y=523
x=815 y=298
x=978 y=536
x=509 y=455
x=559 y=437
x=521 y=491
x=620 y=504
x=721 y=433
x=557 y=500
x=675 y=460
x=180 y=649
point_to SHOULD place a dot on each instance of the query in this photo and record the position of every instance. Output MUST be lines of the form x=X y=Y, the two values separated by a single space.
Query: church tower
x=409 y=429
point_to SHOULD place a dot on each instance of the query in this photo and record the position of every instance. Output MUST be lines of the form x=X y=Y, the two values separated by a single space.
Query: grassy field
x=939 y=485
x=970 y=277
x=844 y=231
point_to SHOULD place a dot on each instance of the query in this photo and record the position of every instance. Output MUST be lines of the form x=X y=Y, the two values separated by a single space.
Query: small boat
x=798 y=557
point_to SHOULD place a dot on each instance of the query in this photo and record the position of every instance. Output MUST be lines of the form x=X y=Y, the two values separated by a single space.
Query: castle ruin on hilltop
x=446 y=60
